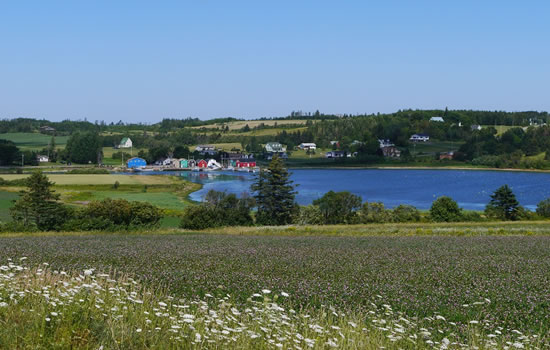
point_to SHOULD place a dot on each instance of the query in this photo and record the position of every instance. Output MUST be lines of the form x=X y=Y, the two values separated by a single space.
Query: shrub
x=219 y=209
x=445 y=209
x=121 y=212
x=116 y=185
x=405 y=213
x=374 y=213
x=543 y=208
x=339 y=207
x=309 y=215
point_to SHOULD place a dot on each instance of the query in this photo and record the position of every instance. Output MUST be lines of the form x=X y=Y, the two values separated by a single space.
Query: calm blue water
x=471 y=189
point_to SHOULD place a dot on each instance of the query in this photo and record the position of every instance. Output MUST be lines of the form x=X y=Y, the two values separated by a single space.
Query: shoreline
x=420 y=168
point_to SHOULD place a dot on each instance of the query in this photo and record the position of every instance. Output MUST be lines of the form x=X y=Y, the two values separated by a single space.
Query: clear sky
x=142 y=61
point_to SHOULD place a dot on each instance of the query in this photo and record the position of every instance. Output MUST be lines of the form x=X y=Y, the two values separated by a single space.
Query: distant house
x=46 y=129
x=385 y=143
x=336 y=154
x=270 y=155
x=437 y=119
x=203 y=148
x=202 y=164
x=420 y=137
x=136 y=162
x=335 y=143
x=275 y=147
x=42 y=158
x=184 y=163
x=191 y=163
x=125 y=143
x=357 y=143
x=307 y=145
x=391 y=152
x=446 y=155
x=475 y=127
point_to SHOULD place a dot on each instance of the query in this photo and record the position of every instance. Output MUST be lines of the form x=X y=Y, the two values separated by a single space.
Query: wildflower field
x=278 y=291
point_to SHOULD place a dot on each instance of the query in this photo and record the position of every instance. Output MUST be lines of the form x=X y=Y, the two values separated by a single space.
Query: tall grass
x=44 y=308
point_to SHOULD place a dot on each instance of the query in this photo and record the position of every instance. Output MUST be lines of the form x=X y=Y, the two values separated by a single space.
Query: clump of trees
x=39 y=209
x=219 y=209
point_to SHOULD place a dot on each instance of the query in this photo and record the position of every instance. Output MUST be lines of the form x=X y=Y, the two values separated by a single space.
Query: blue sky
x=142 y=61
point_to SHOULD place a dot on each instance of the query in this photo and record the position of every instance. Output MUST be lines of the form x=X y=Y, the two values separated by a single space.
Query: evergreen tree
x=503 y=204
x=274 y=193
x=38 y=206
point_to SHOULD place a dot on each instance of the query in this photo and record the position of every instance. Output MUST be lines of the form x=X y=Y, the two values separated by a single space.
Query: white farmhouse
x=420 y=137
x=125 y=143
x=306 y=145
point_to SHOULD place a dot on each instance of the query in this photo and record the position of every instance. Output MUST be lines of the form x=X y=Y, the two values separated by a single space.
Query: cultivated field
x=33 y=141
x=252 y=124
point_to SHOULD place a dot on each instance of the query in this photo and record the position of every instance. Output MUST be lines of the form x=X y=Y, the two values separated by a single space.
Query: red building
x=202 y=163
x=245 y=164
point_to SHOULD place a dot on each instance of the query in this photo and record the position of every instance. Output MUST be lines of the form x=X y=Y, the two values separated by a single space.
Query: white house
x=306 y=145
x=476 y=127
x=420 y=137
x=385 y=143
x=42 y=158
x=436 y=119
x=125 y=143
x=202 y=148
x=275 y=147
x=337 y=154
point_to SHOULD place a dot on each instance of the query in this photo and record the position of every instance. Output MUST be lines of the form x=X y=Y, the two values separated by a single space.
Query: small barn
x=191 y=163
x=136 y=162
x=202 y=164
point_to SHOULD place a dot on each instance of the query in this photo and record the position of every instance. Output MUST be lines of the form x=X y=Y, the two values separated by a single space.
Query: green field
x=98 y=179
x=494 y=280
x=6 y=202
x=34 y=141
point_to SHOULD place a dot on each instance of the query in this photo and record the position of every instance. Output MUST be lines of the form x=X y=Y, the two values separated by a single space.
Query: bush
x=374 y=213
x=309 y=215
x=405 y=213
x=116 y=185
x=219 y=209
x=123 y=213
x=543 y=208
x=339 y=207
x=445 y=209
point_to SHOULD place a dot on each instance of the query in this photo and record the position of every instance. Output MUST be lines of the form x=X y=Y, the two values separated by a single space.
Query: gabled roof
x=124 y=140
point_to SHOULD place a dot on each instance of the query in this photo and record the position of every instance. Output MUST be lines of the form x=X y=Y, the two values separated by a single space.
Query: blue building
x=136 y=163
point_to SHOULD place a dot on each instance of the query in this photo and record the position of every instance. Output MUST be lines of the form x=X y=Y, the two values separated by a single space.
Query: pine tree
x=274 y=194
x=38 y=206
x=503 y=204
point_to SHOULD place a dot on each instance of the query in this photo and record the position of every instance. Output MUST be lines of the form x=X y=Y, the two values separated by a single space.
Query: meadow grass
x=490 y=279
x=42 y=307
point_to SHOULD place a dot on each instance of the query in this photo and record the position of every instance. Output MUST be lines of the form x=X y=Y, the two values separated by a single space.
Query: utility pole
x=22 y=159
